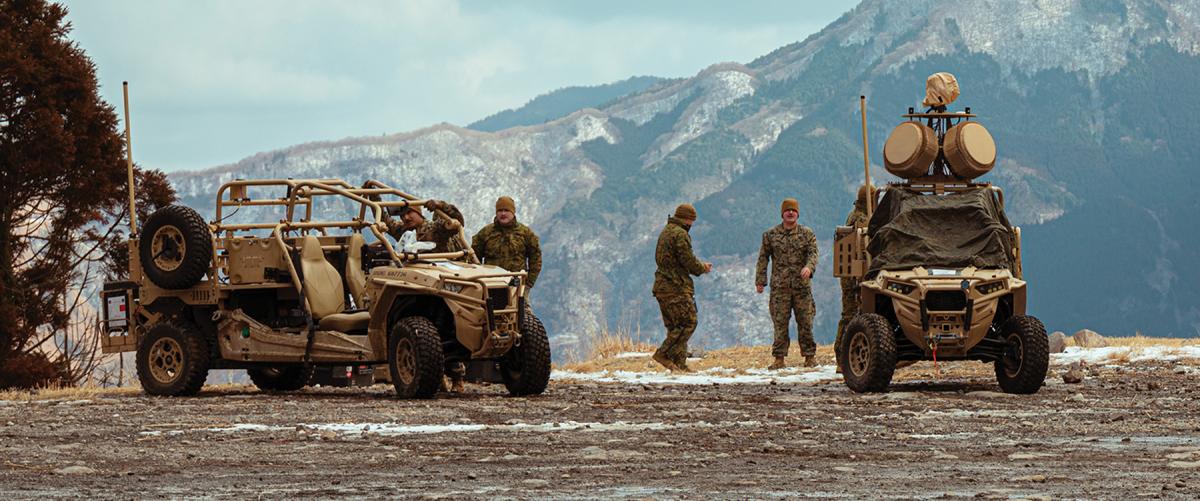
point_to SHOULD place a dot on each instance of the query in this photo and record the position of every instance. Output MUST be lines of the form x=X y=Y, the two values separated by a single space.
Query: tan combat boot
x=810 y=361
x=665 y=362
x=457 y=386
x=777 y=364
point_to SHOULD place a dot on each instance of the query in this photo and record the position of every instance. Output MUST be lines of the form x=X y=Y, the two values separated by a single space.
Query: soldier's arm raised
x=764 y=258
x=533 y=252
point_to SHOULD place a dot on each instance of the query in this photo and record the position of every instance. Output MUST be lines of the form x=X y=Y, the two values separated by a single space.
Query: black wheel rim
x=1013 y=355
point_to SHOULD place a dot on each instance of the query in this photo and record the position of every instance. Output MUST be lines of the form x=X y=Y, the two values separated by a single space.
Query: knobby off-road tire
x=172 y=359
x=175 y=247
x=867 y=353
x=526 y=367
x=283 y=378
x=1026 y=358
x=415 y=358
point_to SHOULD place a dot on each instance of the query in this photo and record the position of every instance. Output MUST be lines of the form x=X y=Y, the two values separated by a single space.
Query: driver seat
x=323 y=289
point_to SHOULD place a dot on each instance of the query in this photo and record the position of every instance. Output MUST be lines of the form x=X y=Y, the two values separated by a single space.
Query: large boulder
x=1058 y=342
x=1088 y=338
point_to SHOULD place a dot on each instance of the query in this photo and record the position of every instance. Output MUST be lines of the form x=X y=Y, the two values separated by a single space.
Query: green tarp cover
x=954 y=230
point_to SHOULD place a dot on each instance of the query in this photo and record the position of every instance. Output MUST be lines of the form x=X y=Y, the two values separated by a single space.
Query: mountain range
x=1092 y=104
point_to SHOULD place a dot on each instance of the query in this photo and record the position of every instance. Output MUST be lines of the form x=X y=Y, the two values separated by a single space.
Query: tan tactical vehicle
x=281 y=297
x=939 y=262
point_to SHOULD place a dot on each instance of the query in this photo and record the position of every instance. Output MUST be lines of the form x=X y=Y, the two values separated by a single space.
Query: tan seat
x=323 y=289
x=356 y=278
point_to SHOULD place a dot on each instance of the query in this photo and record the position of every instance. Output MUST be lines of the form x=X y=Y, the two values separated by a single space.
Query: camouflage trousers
x=679 y=317
x=783 y=304
x=850 y=305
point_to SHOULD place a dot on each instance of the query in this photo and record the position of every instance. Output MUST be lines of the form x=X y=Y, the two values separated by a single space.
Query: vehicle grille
x=945 y=301
x=498 y=298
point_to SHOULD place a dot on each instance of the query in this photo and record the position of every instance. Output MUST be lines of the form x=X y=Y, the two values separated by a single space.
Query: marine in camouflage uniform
x=791 y=249
x=850 y=286
x=509 y=244
x=442 y=231
x=673 y=287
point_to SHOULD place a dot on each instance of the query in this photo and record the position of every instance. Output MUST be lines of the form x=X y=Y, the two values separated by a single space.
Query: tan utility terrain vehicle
x=939 y=264
x=281 y=297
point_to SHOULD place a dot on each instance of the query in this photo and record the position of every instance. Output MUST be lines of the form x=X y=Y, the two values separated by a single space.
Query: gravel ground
x=1125 y=432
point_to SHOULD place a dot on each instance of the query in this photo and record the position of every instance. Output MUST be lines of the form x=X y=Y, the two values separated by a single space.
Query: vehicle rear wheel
x=175 y=248
x=526 y=367
x=1026 y=358
x=282 y=378
x=415 y=358
x=172 y=359
x=867 y=353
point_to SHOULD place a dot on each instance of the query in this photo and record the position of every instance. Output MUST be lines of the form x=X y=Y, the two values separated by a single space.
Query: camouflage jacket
x=514 y=247
x=676 y=262
x=438 y=230
x=789 y=251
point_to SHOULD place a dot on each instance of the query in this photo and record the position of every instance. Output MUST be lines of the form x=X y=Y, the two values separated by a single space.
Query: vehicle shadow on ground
x=949 y=386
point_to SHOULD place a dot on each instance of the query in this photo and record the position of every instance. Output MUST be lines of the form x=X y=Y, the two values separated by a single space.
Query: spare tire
x=910 y=150
x=175 y=248
x=969 y=149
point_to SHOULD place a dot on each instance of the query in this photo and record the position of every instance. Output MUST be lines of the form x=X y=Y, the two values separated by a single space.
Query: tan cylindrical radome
x=969 y=149
x=910 y=150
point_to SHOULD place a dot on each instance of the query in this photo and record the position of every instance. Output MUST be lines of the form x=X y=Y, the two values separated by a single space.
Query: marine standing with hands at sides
x=673 y=287
x=791 y=249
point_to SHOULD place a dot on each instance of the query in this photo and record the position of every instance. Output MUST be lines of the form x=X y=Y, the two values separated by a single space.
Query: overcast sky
x=212 y=82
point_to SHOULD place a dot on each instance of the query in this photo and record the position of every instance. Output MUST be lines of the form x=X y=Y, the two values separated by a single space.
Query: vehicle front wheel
x=526 y=367
x=867 y=353
x=172 y=359
x=1026 y=358
x=415 y=358
x=283 y=378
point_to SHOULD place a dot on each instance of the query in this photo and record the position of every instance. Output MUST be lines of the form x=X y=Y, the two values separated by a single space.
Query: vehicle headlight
x=900 y=288
x=989 y=287
x=455 y=288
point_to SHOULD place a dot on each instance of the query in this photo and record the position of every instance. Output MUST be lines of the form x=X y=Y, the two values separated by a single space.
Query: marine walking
x=673 y=287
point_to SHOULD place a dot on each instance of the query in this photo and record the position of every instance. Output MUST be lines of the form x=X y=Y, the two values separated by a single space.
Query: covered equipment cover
x=941 y=89
x=910 y=150
x=956 y=230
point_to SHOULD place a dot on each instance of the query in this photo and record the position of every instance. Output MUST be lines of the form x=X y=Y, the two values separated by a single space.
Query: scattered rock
x=1187 y=465
x=1058 y=342
x=770 y=446
x=1074 y=374
x=599 y=454
x=535 y=482
x=1088 y=338
x=1041 y=479
x=990 y=394
x=845 y=469
x=75 y=470
x=659 y=444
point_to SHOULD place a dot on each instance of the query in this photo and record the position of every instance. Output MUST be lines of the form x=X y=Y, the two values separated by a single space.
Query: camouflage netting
x=955 y=230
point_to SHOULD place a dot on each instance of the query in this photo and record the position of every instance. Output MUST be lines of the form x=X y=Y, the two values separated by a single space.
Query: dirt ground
x=1125 y=432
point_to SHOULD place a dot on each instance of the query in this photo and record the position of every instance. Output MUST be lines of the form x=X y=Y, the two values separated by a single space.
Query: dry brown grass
x=1140 y=341
x=68 y=392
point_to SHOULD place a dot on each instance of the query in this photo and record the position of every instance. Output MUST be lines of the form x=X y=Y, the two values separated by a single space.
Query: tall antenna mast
x=862 y=105
x=129 y=165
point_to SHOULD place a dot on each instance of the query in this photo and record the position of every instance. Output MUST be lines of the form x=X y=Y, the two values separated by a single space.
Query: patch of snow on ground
x=420 y=429
x=632 y=354
x=718 y=375
x=1143 y=354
